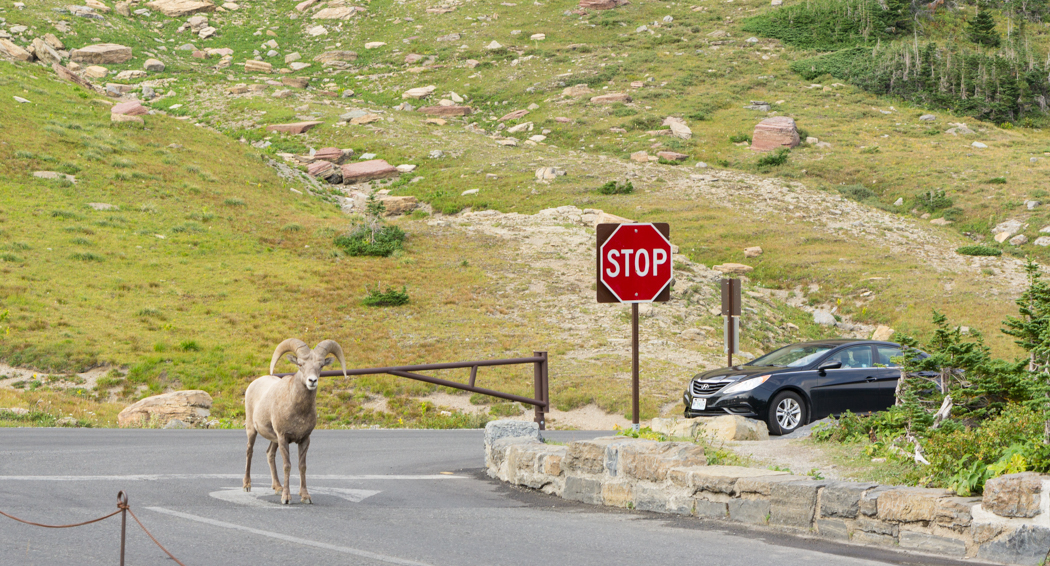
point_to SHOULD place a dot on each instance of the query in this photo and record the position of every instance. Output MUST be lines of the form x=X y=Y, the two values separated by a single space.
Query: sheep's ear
x=293 y=359
x=327 y=362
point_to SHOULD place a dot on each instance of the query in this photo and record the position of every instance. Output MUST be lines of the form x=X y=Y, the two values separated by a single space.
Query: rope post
x=122 y=503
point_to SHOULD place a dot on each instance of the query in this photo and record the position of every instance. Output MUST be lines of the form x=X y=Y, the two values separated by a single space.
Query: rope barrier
x=122 y=507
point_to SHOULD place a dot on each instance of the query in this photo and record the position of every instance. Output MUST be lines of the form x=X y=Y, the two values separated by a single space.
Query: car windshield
x=793 y=356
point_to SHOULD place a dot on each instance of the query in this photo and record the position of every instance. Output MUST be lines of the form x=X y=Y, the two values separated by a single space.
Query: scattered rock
x=253 y=66
x=602 y=4
x=1019 y=240
x=153 y=65
x=68 y=75
x=131 y=108
x=577 y=91
x=331 y=154
x=515 y=115
x=101 y=53
x=753 y=251
x=419 y=92
x=959 y=128
x=54 y=176
x=611 y=98
x=191 y=407
x=1042 y=241
x=366 y=119
x=640 y=157
x=824 y=318
x=130 y=75
x=374 y=44
x=317 y=31
x=978 y=145
x=883 y=333
x=336 y=56
x=678 y=127
x=180 y=8
x=672 y=156
x=446 y=110
x=493 y=46
x=294 y=128
x=549 y=173
x=367 y=171
x=927 y=118
x=538 y=36
x=734 y=268
x=295 y=82
x=774 y=133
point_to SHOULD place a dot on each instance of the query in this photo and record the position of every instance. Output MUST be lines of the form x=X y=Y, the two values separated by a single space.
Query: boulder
x=549 y=173
x=515 y=115
x=606 y=218
x=331 y=154
x=419 y=92
x=295 y=82
x=101 y=53
x=253 y=66
x=294 y=128
x=180 y=8
x=602 y=4
x=374 y=44
x=327 y=171
x=333 y=56
x=153 y=65
x=1014 y=495
x=96 y=72
x=447 y=110
x=754 y=251
x=611 y=98
x=45 y=52
x=367 y=170
x=732 y=427
x=396 y=206
x=734 y=268
x=672 y=156
x=191 y=407
x=883 y=333
x=130 y=108
x=68 y=75
x=775 y=133
x=679 y=129
x=366 y=119
x=16 y=52
x=577 y=91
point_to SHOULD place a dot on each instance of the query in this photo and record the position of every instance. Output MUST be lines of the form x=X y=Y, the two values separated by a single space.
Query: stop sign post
x=634 y=266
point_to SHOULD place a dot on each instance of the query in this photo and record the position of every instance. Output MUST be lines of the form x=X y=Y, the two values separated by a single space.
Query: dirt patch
x=10 y=375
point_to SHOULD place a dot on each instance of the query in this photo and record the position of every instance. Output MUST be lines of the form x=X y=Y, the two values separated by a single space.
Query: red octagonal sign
x=635 y=263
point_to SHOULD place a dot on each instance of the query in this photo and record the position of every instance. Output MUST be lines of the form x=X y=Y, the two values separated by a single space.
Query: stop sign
x=634 y=263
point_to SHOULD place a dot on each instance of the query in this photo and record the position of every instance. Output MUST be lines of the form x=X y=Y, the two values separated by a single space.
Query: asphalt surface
x=380 y=498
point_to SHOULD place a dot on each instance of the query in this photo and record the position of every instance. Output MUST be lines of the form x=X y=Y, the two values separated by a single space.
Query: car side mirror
x=828 y=365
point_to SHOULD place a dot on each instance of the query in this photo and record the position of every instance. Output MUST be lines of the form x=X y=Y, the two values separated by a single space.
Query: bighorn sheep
x=284 y=410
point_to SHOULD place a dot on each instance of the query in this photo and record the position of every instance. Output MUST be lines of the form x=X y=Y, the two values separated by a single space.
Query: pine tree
x=982 y=28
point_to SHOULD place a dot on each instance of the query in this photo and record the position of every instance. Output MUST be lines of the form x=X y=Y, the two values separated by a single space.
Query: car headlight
x=745 y=385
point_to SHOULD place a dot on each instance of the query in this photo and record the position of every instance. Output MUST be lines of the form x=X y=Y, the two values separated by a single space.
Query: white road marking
x=295 y=540
x=253 y=498
x=164 y=477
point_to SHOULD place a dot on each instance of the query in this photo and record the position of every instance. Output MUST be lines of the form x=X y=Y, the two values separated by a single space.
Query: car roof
x=836 y=342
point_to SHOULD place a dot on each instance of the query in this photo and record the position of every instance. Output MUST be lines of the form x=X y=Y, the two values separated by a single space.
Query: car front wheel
x=787 y=412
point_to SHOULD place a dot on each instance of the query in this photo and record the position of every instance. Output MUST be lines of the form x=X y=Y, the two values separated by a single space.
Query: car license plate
x=699 y=404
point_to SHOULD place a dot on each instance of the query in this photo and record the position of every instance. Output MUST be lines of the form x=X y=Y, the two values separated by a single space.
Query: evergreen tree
x=982 y=28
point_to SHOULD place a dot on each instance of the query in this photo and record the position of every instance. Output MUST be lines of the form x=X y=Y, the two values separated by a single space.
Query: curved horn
x=331 y=347
x=293 y=345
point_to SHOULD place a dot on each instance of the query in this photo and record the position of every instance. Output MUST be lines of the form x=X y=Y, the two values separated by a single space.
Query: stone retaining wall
x=1011 y=524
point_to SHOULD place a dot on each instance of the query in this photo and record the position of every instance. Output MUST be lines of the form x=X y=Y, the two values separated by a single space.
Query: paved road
x=380 y=498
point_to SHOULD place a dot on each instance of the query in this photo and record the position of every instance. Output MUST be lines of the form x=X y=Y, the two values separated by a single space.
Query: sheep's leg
x=286 y=497
x=248 y=458
x=304 y=496
x=271 y=457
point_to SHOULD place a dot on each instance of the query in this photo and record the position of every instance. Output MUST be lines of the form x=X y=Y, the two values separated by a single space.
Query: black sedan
x=800 y=383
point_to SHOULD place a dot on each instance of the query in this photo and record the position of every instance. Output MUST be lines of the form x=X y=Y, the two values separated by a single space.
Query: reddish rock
x=562 y=120
x=774 y=133
x=602 y=4
x=101 y=53
x=318 y=167
x=200 y=55
x=295 y=128
x=330 y=154
x=132 y=108
x=367 y=170
x=672 y=155
x=514 y=115
x=447 y=110
x=67 y=75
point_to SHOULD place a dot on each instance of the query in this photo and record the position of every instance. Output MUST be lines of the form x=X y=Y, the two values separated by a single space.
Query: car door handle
x=871 y=378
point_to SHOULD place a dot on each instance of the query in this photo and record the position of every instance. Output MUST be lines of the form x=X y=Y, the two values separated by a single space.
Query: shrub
x=389 y=298
x=932 y=201
x=740 y=138
x=363 y=241
x=859 y=193
x=616 y=188
x=996 y=181
x=833 y=24
x=775 y=159
x=86 y=256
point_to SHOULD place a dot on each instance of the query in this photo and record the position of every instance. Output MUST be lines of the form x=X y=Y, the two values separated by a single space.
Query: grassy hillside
x=210 y=258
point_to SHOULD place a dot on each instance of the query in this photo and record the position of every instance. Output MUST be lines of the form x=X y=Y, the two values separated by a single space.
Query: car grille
x=707 y=387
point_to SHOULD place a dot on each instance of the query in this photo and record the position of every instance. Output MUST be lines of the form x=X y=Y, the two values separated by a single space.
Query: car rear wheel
x=787 y=412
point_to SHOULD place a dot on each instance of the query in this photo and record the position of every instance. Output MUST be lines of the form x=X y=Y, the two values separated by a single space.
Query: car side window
x=856 y=357
x=886 y=355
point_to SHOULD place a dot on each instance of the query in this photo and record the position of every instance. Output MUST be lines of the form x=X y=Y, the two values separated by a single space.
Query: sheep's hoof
x=248 y=487
x=305 y=500
x=286 y=501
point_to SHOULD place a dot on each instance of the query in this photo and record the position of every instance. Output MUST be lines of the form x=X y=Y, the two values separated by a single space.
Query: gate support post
x=539 y=383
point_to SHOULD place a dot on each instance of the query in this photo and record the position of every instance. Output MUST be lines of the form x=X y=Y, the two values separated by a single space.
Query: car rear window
x=886 y=355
